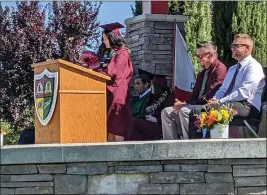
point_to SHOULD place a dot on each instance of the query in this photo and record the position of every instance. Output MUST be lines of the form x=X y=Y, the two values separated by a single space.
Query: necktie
x=203 y=84
x=232 y=84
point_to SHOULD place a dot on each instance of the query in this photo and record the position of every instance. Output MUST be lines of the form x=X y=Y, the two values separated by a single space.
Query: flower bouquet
x=216 y=121
x=89 y=60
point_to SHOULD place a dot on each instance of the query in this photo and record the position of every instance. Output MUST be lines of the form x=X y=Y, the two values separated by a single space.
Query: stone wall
x=150 y=38
x=164 y=167
x=231 y=176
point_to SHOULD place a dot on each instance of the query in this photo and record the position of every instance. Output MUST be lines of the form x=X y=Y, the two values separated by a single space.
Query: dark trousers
x=27 y=136
x=244 y=109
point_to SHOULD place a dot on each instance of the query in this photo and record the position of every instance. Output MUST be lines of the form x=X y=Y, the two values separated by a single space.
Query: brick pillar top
x=156 y=17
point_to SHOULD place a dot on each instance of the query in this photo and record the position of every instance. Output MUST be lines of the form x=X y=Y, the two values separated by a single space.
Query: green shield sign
x=45 y=95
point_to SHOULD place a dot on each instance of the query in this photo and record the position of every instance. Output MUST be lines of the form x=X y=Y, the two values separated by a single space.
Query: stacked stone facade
x=218 y=176
x=151 y=40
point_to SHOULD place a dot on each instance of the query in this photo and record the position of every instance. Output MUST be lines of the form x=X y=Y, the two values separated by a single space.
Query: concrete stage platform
x=232 y=166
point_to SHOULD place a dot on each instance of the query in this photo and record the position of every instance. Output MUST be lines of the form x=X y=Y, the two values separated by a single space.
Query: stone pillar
x=151 y=40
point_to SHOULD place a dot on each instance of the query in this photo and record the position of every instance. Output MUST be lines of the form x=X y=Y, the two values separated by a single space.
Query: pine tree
x=222 y=25
x=74 y=25
x=137 y=8
x=250 y=18
x=198 y=27
x=176 y=7
x=231 y=18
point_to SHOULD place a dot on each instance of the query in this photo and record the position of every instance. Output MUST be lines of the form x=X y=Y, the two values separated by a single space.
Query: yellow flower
x=70 y=38
x=219 y=117
x=203 y=117
x=225 y=114
x=213 y=113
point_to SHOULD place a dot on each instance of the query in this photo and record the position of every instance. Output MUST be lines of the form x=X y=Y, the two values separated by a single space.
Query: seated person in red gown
x=149 y=127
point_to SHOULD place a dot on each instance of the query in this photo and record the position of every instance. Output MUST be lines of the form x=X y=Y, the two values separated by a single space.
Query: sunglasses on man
x=200 y=56
x=234 y=46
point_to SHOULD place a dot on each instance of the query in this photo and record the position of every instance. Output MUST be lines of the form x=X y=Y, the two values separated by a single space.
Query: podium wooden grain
x=80 y=111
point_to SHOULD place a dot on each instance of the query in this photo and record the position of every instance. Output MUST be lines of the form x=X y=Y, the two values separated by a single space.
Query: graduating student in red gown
x=116 y=63
x=149 y=128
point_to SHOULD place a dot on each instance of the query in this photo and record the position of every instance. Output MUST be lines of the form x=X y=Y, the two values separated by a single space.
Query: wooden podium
x=76 y=106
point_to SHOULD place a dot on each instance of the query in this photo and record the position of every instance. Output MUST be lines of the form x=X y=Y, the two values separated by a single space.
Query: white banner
x=184 y=75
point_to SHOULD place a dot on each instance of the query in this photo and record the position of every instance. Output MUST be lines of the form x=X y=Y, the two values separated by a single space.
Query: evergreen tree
x=176 y=7
x=250 y=18
x=137 y=9
x=222 y=25
x=198 y=27
x=231 y=18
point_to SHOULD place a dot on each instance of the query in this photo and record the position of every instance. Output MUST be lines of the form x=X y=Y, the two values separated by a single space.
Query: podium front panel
x=80 y=111
x=82 y=118
x=49 y=133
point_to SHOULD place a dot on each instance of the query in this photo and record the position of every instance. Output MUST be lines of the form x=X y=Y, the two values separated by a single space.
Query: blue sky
x=115 y=12
x=109 y=12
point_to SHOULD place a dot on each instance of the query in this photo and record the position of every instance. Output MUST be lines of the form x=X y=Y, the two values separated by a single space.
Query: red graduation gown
x=120 y=69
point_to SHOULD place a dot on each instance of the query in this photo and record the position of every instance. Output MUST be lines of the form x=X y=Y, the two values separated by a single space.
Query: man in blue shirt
x=175 y=119
x=242 y=86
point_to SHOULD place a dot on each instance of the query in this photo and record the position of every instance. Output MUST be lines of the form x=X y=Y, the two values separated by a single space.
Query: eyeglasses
x=233 y=46
x=200 y=56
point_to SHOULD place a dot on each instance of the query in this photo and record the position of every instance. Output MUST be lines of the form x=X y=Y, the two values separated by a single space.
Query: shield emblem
x=45 y=95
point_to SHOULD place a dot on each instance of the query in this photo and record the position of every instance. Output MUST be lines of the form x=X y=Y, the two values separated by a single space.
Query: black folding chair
x=253 y=125
x=27 y=136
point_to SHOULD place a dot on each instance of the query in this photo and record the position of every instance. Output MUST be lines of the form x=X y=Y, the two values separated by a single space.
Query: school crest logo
x=45 y=95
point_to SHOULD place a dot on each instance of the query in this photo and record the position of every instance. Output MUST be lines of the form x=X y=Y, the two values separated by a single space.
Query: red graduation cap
x=113 y=27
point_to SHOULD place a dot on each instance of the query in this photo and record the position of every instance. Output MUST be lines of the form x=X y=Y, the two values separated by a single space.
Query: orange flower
x=222 y=115
x=210 y=120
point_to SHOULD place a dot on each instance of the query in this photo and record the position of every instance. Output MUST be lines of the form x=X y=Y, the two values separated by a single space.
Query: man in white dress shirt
x=175 y=119
x=242 y=87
